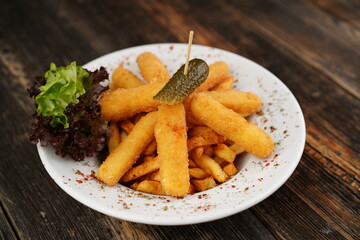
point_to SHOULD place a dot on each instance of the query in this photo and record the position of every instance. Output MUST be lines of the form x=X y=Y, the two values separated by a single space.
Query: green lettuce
x=64 y=85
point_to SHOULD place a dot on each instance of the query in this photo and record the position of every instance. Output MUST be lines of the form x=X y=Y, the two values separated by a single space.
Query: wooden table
x=313 y=46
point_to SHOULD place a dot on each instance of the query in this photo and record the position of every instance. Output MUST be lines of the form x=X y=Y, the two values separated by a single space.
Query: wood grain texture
x=312 y=46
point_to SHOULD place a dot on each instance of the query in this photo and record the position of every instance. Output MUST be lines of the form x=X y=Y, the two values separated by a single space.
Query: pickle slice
x=180 y=86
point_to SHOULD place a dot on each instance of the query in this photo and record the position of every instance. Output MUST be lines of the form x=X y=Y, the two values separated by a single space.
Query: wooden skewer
x=191 y=35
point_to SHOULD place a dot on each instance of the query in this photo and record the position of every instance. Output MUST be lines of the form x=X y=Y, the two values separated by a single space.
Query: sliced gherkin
x=180 y=86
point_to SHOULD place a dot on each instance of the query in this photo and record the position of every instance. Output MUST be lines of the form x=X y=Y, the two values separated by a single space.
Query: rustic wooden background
x=312 y=45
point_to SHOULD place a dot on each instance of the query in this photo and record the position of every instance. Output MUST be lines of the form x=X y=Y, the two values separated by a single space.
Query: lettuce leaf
x=64 y=85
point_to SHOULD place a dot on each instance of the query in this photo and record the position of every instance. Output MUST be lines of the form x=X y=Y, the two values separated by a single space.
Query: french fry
x=230 y=169
x=198 y=173
x=192 y=164
x=141 y=170
x=231 y=125
x=236 y=149
x=115 y=138
x=125 y=103
x=150 y=186
x=170 y=134
x=198 y=151
x=228 y=142
x=137 y=117
x=209 y=150
x=127 y=126
x=198 y=130
x=192 y=189
x=225 y=84
x=211 y=167
x=134 y=185
x=151 y=148
x=154 y=176
x=204 y=140
x=224 y=152
x=244 y=103
x=152 y=69
x=123 y=135
x=203 y=184
x=123 y=78
x=147 y=158
x=127 y=152
x=218 y=159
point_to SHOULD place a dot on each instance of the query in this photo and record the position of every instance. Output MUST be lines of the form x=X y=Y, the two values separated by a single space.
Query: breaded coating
x=171 y=138
x=218 y=71
x=128 y=151
x=225 y=84
x=244 y=103
x=123 y=78
x=125 y=103
x=151 y=68
x=230 y=124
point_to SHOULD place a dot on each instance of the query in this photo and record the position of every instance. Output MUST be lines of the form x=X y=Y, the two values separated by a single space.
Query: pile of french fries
x=177 y=149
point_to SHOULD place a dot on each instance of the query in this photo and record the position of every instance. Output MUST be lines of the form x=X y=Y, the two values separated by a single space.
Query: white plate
x=281 y=118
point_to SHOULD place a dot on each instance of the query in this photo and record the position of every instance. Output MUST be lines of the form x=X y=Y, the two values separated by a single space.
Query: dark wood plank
x=346 y=14
x=295 y=214
x=6 y=230
x=309 y=35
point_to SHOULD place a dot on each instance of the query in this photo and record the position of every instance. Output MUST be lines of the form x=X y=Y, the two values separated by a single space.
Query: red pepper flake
x=253 y=186
x=103 y=197
x=247 y=188
x=171 y=48
x=272 y=129
x=285 y=131
x=260 y=113
x=168 y=200
x=276 y=164
x=92 y=175
x=276 y=155
x=233 y=186
x=260 y=179
x=79 y=181
x=79 y=173
x=245 y=169
x=267 y=164
x=199 y=197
